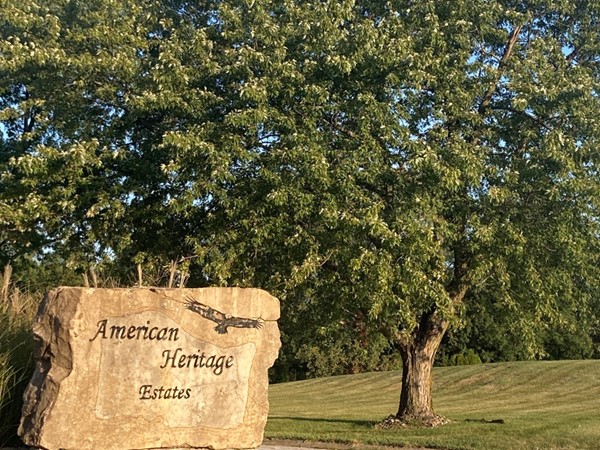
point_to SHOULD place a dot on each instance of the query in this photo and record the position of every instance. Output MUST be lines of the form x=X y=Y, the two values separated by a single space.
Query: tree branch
x=29 y=121
x=532 y=117
x=29 y=117
x=571 y=56
x=333 y=123
x=510 y=45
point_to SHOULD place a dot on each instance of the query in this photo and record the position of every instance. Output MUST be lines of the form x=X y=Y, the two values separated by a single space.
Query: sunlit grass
x=545 y=405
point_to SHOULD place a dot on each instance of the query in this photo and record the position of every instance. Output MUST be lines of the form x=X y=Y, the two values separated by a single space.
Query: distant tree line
x=313 y=348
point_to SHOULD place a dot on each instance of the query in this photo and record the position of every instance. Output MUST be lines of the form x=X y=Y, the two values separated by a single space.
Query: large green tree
x=377 y=165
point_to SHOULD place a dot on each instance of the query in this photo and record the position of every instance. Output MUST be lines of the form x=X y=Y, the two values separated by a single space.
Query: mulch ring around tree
x=392 y=422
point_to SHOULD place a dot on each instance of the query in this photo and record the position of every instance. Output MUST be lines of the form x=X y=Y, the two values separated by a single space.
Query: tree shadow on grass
x=354 y=422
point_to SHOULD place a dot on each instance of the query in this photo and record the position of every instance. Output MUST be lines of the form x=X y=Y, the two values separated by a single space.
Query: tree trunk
x=418 y=354
x=140 y=275
x=86 y=280
x=6 y=283
x=419 y=349
x=94 y=276
x=172 y=273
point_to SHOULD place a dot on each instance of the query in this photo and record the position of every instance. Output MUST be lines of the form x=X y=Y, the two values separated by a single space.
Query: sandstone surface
x=151 y=368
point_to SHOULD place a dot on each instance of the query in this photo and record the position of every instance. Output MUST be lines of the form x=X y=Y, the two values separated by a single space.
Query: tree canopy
x=379 y=166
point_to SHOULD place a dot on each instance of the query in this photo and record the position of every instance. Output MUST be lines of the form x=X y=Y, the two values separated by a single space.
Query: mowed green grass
x=545 y=405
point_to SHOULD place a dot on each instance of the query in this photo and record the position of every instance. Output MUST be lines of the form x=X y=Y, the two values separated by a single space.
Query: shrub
x=465 y=358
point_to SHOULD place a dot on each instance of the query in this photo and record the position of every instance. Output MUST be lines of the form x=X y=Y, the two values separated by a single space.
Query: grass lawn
x=545 y=405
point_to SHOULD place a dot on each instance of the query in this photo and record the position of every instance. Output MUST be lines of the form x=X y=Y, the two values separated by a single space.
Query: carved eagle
x=222 y=320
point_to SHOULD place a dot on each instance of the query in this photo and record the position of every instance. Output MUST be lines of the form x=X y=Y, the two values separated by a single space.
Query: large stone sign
x=151 y=368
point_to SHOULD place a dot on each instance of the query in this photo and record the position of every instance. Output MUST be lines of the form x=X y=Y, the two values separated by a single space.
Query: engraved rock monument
x=151 y=368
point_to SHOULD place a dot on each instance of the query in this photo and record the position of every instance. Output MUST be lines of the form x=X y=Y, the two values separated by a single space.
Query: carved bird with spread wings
x=222 y=320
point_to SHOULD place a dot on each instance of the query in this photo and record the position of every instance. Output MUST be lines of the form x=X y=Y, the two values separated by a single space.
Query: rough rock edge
x=46 y=377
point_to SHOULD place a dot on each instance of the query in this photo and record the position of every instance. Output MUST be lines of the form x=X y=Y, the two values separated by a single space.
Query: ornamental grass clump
x=16 y=360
